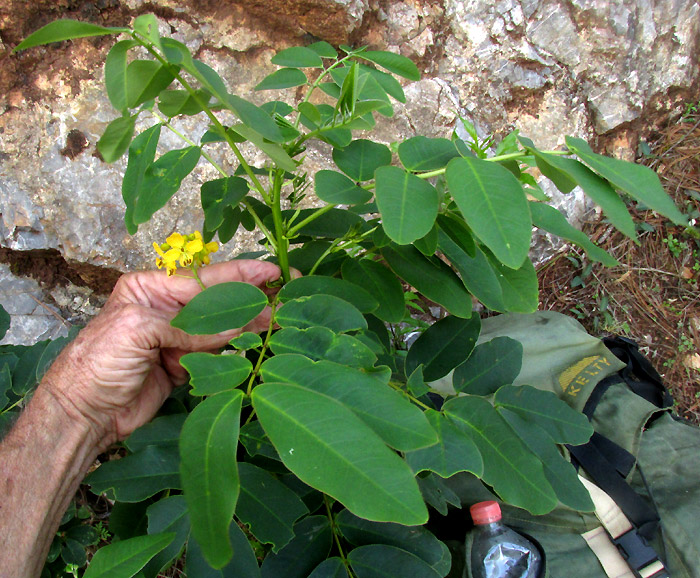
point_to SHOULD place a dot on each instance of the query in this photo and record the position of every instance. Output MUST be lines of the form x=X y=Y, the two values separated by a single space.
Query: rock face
x=547 y=67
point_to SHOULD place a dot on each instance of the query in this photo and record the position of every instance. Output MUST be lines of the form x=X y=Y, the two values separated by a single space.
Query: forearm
x=42 y=462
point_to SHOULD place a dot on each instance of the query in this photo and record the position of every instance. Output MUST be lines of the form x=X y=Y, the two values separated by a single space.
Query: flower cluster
x=189 y=250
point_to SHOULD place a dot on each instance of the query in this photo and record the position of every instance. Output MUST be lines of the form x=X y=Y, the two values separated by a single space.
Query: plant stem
x=148 y=45
x=263 y=349
x=415 y=400
x=312 y=217
x=223 y=173
x=281 y=234
x=438 y=172
x=335 y=531
x=316 y=83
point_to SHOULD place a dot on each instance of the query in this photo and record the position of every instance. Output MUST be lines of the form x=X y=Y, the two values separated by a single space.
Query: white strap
x=615 y=524
x=607 y=553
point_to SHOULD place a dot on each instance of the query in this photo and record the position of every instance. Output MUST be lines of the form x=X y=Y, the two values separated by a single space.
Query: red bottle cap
x=485 y=512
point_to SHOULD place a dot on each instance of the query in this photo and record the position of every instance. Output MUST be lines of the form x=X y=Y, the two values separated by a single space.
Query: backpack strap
x=620 y=550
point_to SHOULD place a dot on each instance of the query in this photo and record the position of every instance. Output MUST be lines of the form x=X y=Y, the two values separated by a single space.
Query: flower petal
x=176 y=240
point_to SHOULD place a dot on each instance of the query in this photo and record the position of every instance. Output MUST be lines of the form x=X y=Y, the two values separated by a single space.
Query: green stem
x=336 y=537
x=203 y=105
x=222 y=172
x=312 y=217
x=438 y=172
x=415 y=400
x=14 y=405
x=281 y=234
x=196 y=277
x=317 y=82
x=263 y=349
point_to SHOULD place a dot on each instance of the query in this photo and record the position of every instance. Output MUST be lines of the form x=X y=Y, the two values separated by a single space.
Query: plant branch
x=263 y=349
x=334 y=530
x=148 y=45
x=312 y=217
x=222 y=172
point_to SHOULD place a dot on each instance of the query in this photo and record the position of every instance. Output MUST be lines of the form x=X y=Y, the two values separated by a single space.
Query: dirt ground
x=652 y=297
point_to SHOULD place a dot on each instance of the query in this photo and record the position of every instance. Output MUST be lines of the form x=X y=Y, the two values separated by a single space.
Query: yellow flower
x=188 y=250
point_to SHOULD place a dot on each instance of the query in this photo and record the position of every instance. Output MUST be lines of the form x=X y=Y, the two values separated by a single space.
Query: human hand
x=120 y=369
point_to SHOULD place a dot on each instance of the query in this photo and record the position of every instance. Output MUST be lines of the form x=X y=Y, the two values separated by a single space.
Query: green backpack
x=642 y=465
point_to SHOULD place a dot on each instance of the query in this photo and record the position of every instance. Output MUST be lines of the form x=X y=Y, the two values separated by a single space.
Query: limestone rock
x=549 y=68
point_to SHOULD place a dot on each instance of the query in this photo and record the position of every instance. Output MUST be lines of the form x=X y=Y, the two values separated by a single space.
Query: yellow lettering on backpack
x=579 y=375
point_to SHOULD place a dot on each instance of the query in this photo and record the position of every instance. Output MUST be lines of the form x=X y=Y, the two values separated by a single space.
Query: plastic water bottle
x=497 y=551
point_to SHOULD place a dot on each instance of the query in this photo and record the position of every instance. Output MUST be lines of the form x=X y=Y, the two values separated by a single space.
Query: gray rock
x=32 y=318
x=549 y=68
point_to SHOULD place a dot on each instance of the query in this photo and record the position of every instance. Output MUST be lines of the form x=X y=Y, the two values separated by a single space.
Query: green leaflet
x=518 y=286
x=551 y=220
x=142 y=152
x=443 y=346
x=414 y=539
x=390 y=415
x=421 y=153
x=329 y=448
x=491 y=365
x=323 y=311
x=175 y=102
x=494 y=206
x=210 y=374
x=221 y=307
x=65 y=29
x=392 y=62
x=310 y=546
x=476 y=272
x=139 y=475
x=454 y=452
x=268 y=506
x=167 y=515
x=116 y=138
x=383 y=561
x=4 y=321
x=408 y=204
x=638 y=181
x=560 y=474
x=283 y=78
x=337 y=189
x=126 y=557
x=219 y=194
x=562 y=423
x=317 y=284
x=209 y=472
x=361 y=158
x=243 y=564
x=321 y=343
x=299 y=57
x=567 y=173
x=514 y=473
x=145 y=79
x=381 y=283
x=323 y=49
x=161 y=431
x=162 y=180
x=431 y=277
x=330 y=568
x=116 y=64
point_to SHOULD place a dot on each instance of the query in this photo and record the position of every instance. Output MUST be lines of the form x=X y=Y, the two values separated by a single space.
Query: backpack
x=641 y=466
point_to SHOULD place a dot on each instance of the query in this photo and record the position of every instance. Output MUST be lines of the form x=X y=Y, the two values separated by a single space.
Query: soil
x=50 y=269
